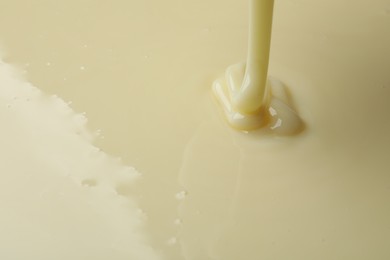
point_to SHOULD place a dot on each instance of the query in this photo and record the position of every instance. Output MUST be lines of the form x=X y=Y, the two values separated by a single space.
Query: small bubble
x=89 y=183
x=178 y=222
x=82 y=68
x=141 y=214
x=181 y=195
x=95 y=150
x=172 y=241
x=48 y=64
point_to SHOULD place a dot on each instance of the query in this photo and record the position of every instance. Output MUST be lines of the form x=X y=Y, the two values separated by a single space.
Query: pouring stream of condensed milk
x=249 y=100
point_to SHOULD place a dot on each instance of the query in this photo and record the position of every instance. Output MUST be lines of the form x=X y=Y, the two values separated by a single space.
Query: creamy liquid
x=248 y=99
x=142 y=72
x=248 y=94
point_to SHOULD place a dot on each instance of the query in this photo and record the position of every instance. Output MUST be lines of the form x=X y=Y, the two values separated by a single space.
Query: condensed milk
x=142 y=72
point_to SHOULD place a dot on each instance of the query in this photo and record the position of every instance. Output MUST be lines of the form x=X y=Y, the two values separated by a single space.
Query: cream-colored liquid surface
x=142 y=73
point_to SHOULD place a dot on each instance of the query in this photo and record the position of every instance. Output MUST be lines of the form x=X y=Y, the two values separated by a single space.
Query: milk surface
x=142 y=72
